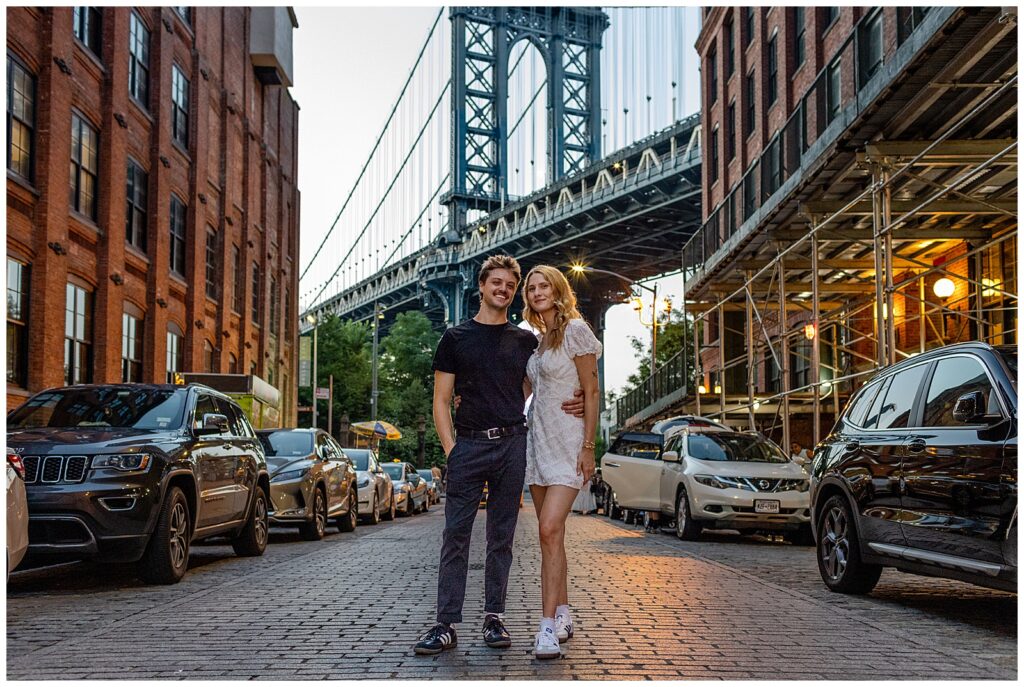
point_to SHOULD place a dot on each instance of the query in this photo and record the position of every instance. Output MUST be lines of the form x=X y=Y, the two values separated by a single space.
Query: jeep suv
x=920 y=473
x=137 y=472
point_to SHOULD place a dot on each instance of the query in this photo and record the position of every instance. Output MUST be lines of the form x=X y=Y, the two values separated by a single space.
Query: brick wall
x=236 y=177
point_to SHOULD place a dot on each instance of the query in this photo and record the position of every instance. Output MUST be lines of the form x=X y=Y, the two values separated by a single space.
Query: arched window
x=208 y=363
x=175 y=350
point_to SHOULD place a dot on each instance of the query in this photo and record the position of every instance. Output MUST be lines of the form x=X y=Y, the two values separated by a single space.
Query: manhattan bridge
x=557 y=135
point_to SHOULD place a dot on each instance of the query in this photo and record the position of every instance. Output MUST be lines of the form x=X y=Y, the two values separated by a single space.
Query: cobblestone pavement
x=645 y=606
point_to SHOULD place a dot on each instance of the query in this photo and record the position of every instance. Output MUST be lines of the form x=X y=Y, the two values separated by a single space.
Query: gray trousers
x=501 y=463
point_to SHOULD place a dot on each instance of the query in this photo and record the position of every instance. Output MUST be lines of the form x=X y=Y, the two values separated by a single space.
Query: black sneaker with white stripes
x=438 y=638
x=495 y=634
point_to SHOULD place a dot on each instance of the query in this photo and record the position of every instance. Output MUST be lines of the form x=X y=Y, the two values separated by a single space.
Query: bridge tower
x=569 y=41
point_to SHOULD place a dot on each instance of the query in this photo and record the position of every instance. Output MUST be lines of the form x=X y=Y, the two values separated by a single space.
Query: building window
x=749 y=195
x=273 y=307
x=232 y=364
x=799 y=29
x=255 y=293
x=772 y=167
x=714 y=154
x=138 y=60
x=21 y=118
x=287 y=311
x=829 y=16
x=185 y=13
x=17 y=322
x=177 y=235
x=869 y=47
x=208 y=364
x=88 y=28
x=713 y=76
x=730 y=131
x=77 y=336
x=773 y=69
x=749 y=112
x=179 y=106
x=730 y=49
x=748 y=19
x=175 y=351
x=211 y=263
x=236 y=281
x=135 y=215
x=908 y=19
x=131 y=348
x=85 y=154
x=833 y=91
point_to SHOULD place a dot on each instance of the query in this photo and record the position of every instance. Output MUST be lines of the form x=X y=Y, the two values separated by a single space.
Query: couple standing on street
x=493 y=366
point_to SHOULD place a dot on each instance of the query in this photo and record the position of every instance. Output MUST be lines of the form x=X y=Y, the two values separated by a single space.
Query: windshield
x=745 y=448
x=287 y=443
x=1009 y=354
x=394 y=470
x=104 y=406
x=360 y=458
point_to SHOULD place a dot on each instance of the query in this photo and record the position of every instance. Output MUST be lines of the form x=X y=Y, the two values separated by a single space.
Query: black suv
x=137 y=472
x=920 y=473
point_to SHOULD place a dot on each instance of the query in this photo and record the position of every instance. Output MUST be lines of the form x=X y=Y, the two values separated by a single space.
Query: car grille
x=762 y=484
x=54 y=469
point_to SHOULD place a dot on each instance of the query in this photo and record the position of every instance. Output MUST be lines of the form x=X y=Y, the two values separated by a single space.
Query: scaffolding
x=909 y=245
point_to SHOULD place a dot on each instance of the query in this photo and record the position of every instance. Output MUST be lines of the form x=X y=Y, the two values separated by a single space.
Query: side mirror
x=670 y=456
x=969 y=408
x=213 y=423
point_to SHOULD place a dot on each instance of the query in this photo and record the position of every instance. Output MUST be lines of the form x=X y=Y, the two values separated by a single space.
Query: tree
x=344 y=350
x=672 y=337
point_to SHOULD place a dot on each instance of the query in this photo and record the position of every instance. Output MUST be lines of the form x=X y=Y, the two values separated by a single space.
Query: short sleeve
x=580 y=340
x=444 y=356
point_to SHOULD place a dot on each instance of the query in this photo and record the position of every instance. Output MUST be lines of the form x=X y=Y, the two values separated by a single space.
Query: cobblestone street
x=645 y=605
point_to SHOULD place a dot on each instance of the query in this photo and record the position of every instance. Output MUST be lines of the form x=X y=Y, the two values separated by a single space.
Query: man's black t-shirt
x=489 y=364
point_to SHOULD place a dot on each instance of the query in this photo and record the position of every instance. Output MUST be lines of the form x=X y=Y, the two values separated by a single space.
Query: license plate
x=766 y=506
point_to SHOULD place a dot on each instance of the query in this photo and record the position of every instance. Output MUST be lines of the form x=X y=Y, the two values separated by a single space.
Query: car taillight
x=14 y=460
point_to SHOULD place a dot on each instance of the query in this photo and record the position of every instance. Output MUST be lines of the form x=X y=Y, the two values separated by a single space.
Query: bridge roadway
x=630 y=212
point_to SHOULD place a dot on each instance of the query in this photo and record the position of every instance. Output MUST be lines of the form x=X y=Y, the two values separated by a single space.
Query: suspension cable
x=375 y=145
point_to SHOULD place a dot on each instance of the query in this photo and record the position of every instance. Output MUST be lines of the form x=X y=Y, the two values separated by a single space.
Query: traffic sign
x=323 y=393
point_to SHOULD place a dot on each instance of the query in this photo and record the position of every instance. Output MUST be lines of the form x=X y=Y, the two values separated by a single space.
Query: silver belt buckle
x=494 y=433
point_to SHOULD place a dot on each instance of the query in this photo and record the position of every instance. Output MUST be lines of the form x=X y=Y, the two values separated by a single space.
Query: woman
x=559 y=447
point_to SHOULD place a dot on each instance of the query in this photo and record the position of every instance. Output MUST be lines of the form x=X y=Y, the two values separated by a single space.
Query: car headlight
x=364 y=483
x=126 y=462
x=711 y=481
x=290 y=475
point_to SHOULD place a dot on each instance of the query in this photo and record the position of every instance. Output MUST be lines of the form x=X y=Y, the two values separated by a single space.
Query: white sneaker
x=563 y=628
x=546 y=645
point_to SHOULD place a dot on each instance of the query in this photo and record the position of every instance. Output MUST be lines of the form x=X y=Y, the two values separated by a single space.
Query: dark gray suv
x=137 y=472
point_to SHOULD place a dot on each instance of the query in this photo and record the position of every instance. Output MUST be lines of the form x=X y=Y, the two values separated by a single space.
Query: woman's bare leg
x=554 y=568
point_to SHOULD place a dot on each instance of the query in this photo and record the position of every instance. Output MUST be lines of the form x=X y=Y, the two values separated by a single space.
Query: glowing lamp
x=989 y=292
x=702 y=389
x=718 y=388
x=757 y=405
x=810 y=331
x=944 y=287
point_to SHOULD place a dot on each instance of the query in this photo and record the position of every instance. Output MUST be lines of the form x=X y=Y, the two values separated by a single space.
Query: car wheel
x=252 y=540
x=166 y=558
x=614 y=512
x=314 y=529
x=802 y=537
x=410 y=508
x=838 y=549
x=426 y=503
x=390 y=514
x=347 y=522
x=374 y=517
x=687 y=528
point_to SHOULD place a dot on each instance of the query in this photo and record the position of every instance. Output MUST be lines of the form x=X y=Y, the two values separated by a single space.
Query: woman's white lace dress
x=555 y=438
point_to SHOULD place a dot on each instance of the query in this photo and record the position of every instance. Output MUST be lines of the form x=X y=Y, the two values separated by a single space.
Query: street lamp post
x=377 y=317
x=315 y=321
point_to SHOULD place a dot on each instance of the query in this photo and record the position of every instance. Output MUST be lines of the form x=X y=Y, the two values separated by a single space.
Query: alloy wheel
x=179 y=535
x=261 y=520
x=681 y=515
x=835 y=543
x=320 y=514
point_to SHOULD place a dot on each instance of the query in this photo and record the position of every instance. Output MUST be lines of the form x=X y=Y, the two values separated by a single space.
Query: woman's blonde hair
x=564 y=298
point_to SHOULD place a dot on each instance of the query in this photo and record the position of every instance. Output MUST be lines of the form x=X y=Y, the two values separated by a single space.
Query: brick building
x=859 y=202
x=152 y=208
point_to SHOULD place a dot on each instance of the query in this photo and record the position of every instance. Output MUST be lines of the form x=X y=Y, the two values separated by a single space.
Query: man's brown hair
x=499 y=262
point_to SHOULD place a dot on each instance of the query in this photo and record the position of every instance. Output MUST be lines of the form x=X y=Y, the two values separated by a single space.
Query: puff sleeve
x=580 y=340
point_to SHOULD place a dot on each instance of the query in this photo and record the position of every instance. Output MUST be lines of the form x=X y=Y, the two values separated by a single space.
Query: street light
x=315 y=321
x=638 y=305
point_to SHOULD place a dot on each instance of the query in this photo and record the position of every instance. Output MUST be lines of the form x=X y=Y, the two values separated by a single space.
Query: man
x=483 y=361
x=799 y=454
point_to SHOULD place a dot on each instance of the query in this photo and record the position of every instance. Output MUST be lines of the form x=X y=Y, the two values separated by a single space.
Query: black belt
x=492 y=433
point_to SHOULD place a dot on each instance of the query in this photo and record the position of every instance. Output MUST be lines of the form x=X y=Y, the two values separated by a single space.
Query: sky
x=349 y=66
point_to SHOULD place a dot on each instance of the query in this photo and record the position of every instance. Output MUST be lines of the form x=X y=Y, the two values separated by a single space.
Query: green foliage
x=672 y=337
x=343 y=350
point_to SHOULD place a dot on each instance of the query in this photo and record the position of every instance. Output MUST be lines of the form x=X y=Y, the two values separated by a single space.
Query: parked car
x=409 y=488
x=311 y=481
x=17 y=511
x=433 y=488
x=663 y=426
x=137 y=472
x=920 y=473
x=376 y=494
x=706 y=477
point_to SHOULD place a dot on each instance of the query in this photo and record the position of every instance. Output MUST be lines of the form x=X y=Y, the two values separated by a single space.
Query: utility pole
x=315 y=321
x=376 y=327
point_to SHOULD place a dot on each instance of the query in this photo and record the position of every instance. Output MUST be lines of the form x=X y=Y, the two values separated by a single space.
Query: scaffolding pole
x=815 y=340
